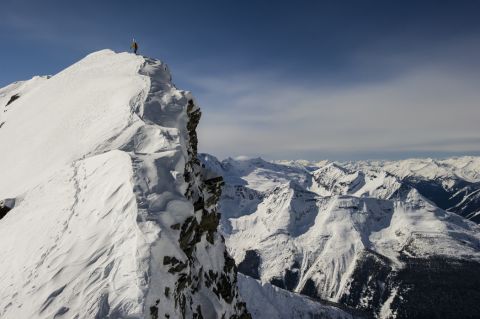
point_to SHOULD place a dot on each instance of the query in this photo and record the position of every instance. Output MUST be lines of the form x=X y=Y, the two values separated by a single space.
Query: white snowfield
x=316 y=220
x=94 y=160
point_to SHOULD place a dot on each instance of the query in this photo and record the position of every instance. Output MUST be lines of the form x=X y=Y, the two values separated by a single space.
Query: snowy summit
x=104 y=210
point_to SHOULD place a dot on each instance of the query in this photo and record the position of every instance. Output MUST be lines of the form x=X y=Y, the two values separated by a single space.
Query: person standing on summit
x=134 y=46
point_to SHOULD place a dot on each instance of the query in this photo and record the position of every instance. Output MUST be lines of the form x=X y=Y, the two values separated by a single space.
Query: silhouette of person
x=134 y=46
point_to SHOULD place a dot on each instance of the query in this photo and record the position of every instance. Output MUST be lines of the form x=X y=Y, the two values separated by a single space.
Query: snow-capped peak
x=111 y=217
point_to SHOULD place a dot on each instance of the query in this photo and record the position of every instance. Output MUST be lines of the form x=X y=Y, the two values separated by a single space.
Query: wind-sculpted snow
x=111 y=216
x=350 y=236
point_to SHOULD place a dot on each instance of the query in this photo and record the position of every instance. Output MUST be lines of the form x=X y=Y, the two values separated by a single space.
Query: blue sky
x=284 y=79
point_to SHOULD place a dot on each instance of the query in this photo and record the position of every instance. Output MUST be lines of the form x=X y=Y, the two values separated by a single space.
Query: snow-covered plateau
x=379 y=237
x=104 y=212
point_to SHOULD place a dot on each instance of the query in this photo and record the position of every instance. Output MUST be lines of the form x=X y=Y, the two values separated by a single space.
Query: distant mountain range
x=392 y=238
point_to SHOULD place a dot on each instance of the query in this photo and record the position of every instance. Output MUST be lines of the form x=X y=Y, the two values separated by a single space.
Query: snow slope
x=349 y=236
x=111 y=217
x=267 y=301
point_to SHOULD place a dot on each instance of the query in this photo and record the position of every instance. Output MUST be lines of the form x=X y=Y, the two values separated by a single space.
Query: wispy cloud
x=430 y=106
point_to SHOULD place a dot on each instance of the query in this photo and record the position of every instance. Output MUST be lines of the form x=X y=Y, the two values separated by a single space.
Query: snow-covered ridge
x=465 y=167
x=112 y=217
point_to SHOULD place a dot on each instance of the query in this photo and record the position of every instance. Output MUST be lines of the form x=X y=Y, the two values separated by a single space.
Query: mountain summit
x=105 y=212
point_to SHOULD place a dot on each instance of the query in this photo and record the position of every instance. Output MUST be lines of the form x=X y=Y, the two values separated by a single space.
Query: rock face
x=6 y=206
x=113 y=217
x=363 y=238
